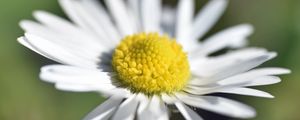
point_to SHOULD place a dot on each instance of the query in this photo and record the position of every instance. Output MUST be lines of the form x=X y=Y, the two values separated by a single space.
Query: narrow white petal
x=143 y=105
x=231 y=57
x=185 y=12
x=246 y=91
x=127 y=109
x=74 y=75
x=252 y=75
x=135 y=10
x=232 y=37
x=264 y=80
x=219 y=105
x=168 y=21
x=69 y=78
x=102 y=18
x=120 y=14
x=196 y=90
x=151 y=15
x=168 y=99
x=70 y=10
x=23 y=41
x=56 y=22
x=81 y=12
x=60 y=32
x=99 y=23
x=74 y=87
x=58 y=53
x=232 y=69
x=75 y=42
x=207 y=17
x=187 y=112
x=105 y=110
x=153 y=110
x=206 y=66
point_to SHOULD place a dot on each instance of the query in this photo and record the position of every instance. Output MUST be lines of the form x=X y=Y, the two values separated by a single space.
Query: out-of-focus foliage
x=24 y=97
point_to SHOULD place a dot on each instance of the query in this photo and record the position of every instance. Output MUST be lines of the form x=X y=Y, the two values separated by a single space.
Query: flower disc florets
x=151 y=64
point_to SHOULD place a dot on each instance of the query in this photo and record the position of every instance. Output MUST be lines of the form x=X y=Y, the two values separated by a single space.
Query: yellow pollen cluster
x=151 y=64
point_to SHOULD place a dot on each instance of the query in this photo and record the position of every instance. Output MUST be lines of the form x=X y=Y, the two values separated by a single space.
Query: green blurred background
x=24 y=97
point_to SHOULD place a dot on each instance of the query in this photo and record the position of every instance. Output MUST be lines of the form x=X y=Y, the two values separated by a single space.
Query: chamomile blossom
x=145 y=57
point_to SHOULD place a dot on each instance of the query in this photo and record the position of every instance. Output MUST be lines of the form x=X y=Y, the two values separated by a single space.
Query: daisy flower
x=146 y=58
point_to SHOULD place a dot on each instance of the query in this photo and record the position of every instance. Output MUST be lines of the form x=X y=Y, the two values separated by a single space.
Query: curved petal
x=68 y=78
x=121 y=16
x=74 y=75
x=261 y=76
x=185 y=13
x=225 y=70
x=232 y=37
x=207 y=17
x=219 y=105
x=127 y=109
x=81 y=12
x=187 y=112
x=59 y=31
x=265 y=80
x=252 y=75
x=206 y=65
x=246 y=91
x=58 y=53
x=154 y=109
x=105 y=110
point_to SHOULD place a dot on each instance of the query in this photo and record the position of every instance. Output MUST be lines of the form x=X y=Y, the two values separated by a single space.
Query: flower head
x=145 y=57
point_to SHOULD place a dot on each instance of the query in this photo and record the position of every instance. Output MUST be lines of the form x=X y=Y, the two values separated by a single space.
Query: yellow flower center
x=151 y=64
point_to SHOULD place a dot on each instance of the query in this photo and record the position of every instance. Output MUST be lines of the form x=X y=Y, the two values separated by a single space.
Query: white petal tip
x=286 y=71
x=21 y=39
x=272 y=55
x=249 y=27
x=39 y=13
x=23 y=23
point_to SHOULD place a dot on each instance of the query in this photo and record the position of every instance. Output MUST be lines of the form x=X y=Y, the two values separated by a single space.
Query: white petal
x=58 y=53
x=62 y=33
x=56 y=22
x=247 y=91
x=127 y=109
x=187 y=112
x=144 y=103
x=121 y=16
x=74 y=87
x=105 y=110
x=168 y=21
x=231 y=37
x=68 y=78
x=101 y=20
x=151 y=15
x=82 y=13
x=153 y=110
x=24 y=41
x=76 y=42
x=231 y=57
x=135 y=10
x=74 y=75
x=265 y=80
x=219 y=105
x=207 y=65
x=251 y=75
x=185 y=12
x=207 y=17
x=232 y=69
x=168 y=99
